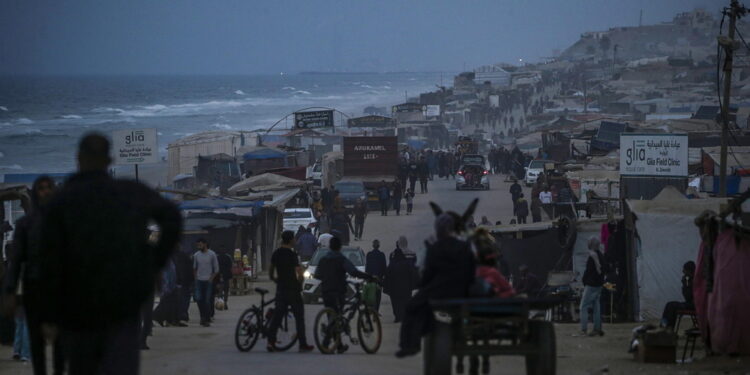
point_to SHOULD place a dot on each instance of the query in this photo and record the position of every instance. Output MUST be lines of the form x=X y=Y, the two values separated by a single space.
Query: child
x=409 y=201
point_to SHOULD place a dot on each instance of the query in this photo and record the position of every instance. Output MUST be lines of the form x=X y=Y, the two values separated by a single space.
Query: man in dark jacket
x=522 y=209
x=375 y=265
x=26 y=257
x=424 y=174
x=360 y=213
x=185 y=282
x=331 y=271
x=449 y=271
x=593 y=279
x=98 y=265
x=384 y=194
x=306 y=245
x=669 y=316
x=515 y=193
x=225 y=270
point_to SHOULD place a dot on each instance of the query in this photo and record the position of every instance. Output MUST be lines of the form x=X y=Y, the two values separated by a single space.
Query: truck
x=370 y=160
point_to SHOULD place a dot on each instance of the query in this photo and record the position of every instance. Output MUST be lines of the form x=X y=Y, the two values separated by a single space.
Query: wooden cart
x=480 y=328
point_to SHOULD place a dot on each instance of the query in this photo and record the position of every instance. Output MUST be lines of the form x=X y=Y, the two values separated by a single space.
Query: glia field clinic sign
x=663 y=155
x=135 y=146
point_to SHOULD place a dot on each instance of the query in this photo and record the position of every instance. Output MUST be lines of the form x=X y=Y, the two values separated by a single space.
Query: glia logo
x=135 y=136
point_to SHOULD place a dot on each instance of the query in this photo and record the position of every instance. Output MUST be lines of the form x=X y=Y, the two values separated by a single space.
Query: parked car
x=294 y=217
x=311 y=286
x=315 y=173
x=350 y=191
x=535 y=168
x=472 y=173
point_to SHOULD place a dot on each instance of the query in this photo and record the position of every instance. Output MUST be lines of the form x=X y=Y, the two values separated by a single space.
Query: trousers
x=590 y=299
x=286 y=300
x=203 y=297
x=111 y=350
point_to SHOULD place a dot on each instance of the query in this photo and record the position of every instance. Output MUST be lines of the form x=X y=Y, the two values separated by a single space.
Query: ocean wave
x=3 y=108
x=301 y=92
x=222 y=126
x=387 y=87
x=2 y=155
x=239 y=92
x=23 y=121
x=188 y=108
x=107 y=110
x=290 y=88
x=14 y=167
x=365 y=86
x=70 y=117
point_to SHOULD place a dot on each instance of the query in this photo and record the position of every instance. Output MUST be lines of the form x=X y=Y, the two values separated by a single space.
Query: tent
x=662 y=237
x=262 y=153
x=265 y=182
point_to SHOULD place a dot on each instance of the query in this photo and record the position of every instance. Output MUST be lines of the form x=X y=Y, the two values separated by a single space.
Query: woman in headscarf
x=400 y=281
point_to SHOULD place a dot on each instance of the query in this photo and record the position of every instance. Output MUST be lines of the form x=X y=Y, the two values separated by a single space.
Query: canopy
x=265 y=182
x=668 y=239
x=261 y=153
x=218 y=204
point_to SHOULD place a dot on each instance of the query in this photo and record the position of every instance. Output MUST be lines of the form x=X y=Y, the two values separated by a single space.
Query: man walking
x=360 y=213
x=306 y=245
x=375 y=265
x=384 y=194
x=286 y=272
x=593 y=279
x=515 y=192
x=205 y=269
x=98 y=265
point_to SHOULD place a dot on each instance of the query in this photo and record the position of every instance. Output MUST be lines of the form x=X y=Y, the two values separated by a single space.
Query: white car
x=315 y=174
x=535 y=168
x=311 y=286
x=294 y=217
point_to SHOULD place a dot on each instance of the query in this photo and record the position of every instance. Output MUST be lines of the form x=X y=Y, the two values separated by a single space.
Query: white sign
x=431 y=110
x=663 y=155
x=135 y=146
x=494 y=101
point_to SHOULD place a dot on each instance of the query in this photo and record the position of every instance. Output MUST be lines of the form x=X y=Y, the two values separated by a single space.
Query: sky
x=122 y=37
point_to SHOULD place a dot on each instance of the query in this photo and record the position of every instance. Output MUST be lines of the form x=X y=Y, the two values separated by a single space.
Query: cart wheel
x=437 y=358
x=543 y=362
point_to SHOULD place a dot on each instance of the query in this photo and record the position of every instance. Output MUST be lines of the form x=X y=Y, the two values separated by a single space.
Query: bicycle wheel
x=286 y=335
x=247 y=331
x=326 y=331
x=369 y=331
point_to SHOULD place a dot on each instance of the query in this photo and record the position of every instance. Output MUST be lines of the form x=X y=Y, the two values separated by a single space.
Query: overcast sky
x=249 y=36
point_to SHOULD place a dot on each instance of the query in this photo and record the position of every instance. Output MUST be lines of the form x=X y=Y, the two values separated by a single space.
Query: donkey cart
x=480 y=328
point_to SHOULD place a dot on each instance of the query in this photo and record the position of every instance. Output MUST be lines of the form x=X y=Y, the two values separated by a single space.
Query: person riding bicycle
x=331 y=272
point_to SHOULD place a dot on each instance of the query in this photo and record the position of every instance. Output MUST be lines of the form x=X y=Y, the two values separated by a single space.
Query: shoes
x=342 y=348
x=206 y=324
x=24 y=359
x=406 y=353
x=144 y=346
x=270 y=348
x=581 y=333
x=596 y=333
x=16 y=357
x=179 y=324
x=306 y=348
x=160 y=323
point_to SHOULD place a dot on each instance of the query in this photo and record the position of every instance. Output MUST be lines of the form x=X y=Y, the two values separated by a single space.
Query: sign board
x=407 y=107
x=313 y=119
x=431 y=110
x=370 y=156
x=135 y=146
x=494 y=101
x=372 y=121
x=661 y=155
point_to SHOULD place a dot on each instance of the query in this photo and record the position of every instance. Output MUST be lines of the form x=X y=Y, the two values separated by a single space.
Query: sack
x=370 y=294
x=219 y=305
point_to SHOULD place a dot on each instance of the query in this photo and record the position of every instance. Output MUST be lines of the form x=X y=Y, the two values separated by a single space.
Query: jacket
x=449 y=269
x=332 y=270
x=590 y=276
x=375 y=264
x=98 y=265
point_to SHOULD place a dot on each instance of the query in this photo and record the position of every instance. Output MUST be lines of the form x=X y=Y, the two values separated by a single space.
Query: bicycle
x=253 y=323
x=329 y=325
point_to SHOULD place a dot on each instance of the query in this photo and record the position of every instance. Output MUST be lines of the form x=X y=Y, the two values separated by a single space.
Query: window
x=351 y=253
x=350 y=188
x=297 y=215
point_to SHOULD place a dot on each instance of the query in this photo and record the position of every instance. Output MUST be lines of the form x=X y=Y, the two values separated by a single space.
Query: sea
x=42 y=118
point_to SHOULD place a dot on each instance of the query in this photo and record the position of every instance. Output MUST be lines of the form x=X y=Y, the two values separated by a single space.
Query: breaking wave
x=3 y=108
x=222 y=126
x=23 y=121
x=239 y=92
x=70 y=117
x=14 y=167
x=301 y=92
x=107 y=110
x=290 y=88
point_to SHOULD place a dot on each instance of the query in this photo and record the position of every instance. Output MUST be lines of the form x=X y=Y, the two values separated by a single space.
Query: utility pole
x=734 y=11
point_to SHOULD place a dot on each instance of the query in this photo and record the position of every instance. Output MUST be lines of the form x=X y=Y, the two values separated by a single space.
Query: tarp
x=263 y=153
x=724 y=314
x=668 y=239
x=266 y=182
x=217 y=204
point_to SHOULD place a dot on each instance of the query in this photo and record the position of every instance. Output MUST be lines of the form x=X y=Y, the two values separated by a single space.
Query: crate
x=656 y=347
x=240 y=285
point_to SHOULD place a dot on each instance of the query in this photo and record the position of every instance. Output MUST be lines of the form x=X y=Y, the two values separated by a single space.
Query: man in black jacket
x=593 y=279
x=331 y=271
x=449 y=270
x=375 y=265
x=98 y=265
x=27 y=257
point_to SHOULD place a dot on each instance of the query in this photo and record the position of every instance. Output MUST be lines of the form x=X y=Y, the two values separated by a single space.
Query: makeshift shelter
x=258 y=159
x=661 y=237
x=264 y=182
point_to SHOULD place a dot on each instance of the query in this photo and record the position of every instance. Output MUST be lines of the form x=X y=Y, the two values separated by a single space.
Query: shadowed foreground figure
x=449 y=270
x=98 y=265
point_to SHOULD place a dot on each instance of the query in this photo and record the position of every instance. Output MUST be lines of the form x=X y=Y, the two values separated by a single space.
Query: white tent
x=668 y=239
